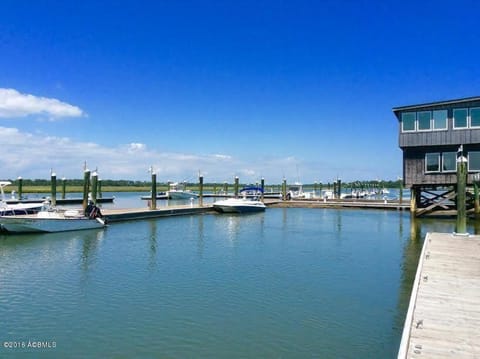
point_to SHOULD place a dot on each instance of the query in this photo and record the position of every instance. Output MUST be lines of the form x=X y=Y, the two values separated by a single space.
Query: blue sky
x=296 y=89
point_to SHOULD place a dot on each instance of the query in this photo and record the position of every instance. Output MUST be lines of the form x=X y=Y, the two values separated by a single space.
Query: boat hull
x=238 y=206
x=17 y=224
x=181 y=195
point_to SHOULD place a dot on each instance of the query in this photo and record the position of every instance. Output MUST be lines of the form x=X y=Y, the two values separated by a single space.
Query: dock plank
x=444 y=314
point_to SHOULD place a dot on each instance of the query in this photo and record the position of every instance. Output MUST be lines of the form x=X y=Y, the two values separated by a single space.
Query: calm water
x=287 y=283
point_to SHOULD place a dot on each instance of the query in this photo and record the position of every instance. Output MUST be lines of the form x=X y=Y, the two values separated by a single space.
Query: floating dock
x=346 y=203
x=130 y=214
x=443 y=319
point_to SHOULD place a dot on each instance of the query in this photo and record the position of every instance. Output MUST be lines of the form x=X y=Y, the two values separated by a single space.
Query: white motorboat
x=50 y=221
x=295 y=191
x=241 y=205
x=178 y=191
x=7 y=209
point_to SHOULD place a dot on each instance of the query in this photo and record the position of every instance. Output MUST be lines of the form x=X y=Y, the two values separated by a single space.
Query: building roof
x=436 y=104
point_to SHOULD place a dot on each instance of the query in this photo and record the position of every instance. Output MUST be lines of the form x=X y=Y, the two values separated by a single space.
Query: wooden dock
x=344 y=203
x=129 y=214
x=443 y=319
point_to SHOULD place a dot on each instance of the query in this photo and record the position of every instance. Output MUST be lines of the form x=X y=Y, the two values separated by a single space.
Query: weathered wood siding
x=439 y=138
x=416 y=144
x=414 y=170
x=414 y=166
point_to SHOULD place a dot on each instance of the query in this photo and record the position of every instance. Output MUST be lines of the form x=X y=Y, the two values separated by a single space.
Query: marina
x=190 y=233
x=273 y=179
x=215 y=285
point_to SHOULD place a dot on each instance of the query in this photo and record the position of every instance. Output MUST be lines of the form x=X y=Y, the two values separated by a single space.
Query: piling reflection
x=88 y=255
x=201 y=236
x=152 y=258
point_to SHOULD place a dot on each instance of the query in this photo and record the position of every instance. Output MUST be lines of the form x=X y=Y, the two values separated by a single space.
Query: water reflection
x=235 y=226
x=152 y=263
x=90 y=240
x=201 y=237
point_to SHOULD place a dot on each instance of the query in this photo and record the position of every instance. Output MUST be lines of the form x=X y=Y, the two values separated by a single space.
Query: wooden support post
x=53 y=181
x=400 y=194
x=461 y=226
x=200 y=190
x=262 y=186
x=334 y=189
x=94 y=187
x=20 y=187
x=153 y=200
x=236 y=186
x=225 y=188
x=64 y=187
x=339 y=188
x=86 y=188
x=413 y=200
x=476 y=200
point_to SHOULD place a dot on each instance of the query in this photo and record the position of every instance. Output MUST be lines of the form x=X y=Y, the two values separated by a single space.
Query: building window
x=408 y=121
x=424 y=123
x=440 y=120
x=473 y=161
x=432 y=162
x=460 y=118
x=475 y=117
x=449 y=161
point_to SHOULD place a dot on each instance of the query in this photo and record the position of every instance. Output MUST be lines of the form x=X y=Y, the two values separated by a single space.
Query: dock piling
x=262 y=186
x=236 y=186
x=86 y=188
x=20 y=187
x=53 y=181
x=200 y=195
x=461 y=225
x=64 y=187
x=100 y=195
x=153 y=201
x=94 y=187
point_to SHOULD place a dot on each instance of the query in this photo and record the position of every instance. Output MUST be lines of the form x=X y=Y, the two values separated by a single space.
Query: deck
x=443 y=319
x=118 y=215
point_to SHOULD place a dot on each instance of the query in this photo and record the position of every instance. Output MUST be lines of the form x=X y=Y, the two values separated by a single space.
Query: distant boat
x=7 y=209
x=178 y=191
x=50 y=221
x=295 y=191
x=241 y=205
x=160 y=195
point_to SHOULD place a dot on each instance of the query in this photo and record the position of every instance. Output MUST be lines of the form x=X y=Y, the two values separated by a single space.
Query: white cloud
x=33 y=155
x=16 y=104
